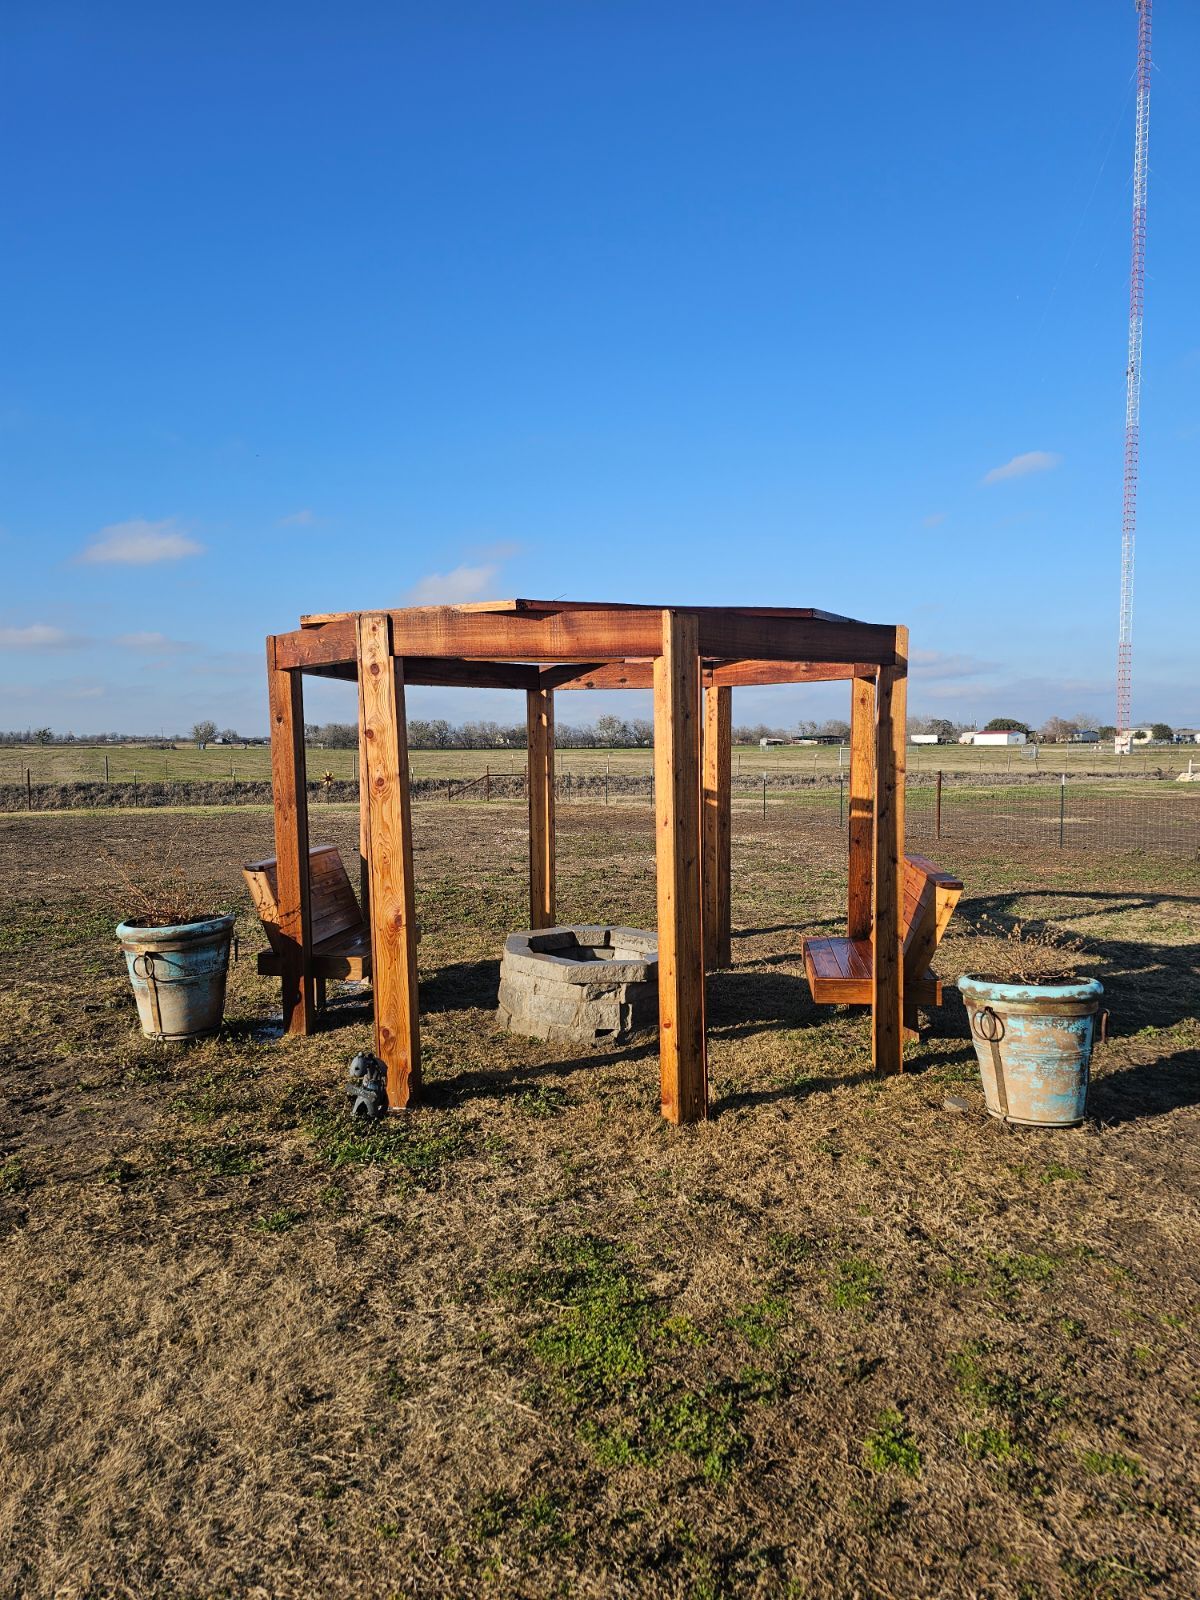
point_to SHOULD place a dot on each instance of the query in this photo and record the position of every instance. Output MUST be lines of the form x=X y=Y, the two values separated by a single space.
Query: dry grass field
x=840 y=1341
x=126 y=763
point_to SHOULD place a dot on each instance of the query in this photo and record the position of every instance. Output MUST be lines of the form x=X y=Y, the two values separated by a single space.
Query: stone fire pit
x=583 y=983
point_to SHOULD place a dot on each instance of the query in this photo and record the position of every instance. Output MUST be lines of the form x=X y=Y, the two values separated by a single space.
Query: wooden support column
x=718 y=744
x=288 y=782
x=887 y=1010
x=682 y=1045
x=862 y=804
x=393 y=920
x=364 y=813
x=540 y=738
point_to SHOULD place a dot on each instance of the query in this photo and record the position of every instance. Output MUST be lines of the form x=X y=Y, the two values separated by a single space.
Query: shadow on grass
x=1151 y=1090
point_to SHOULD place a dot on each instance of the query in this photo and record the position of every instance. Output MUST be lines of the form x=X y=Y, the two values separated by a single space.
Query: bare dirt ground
x=530 y=1341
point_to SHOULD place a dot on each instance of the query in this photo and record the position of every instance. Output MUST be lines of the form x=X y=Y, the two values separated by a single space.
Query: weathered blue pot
x=1034 y=1044
x=178 y=975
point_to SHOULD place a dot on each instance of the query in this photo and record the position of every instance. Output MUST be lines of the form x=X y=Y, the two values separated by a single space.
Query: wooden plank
x=718 y=725
x=887 y=1009
x=861 y=828
x=539 y=720
x=393 y=913
x=614 y=634
x=601 y=675
x=288 y=780
x=364 y=808
x=315 y=619
x=682 y=1045
x=747 y=674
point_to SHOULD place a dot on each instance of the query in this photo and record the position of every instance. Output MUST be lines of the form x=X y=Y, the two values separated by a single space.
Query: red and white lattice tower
x=1133 y=381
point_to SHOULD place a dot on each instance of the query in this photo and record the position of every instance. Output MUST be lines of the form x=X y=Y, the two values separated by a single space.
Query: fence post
x=606 y=786
x=841 y=801
x=1062 y=808
x=449 y=795
x=764 y=794
x=106 y=769
x=937 y=824
x=28 y=790
x=487 y=782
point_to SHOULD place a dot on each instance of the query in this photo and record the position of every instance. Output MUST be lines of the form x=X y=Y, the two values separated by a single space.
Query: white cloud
x=37 y=636
x=1022 y=466
x=139 y=543
x=148 y=641
x=297 y=519
x=934 y=665
x=452 y=588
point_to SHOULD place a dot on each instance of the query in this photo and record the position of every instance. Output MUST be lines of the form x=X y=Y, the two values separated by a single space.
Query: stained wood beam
x=445 y=673
x=747 y=674
x=288 y=780
x=717 y=830
x=540 y=784
x=861 y=827
x=682 y=1044
x=389 y=843
x=887 y=1009
x=601 y=675
x=594 y=636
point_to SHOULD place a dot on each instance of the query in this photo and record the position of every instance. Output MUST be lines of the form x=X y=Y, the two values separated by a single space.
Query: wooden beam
x=539 y=720
x=747 y=674
x=718 y=728
x=615 y=634
x=444 y=673
x=288 y=782
x=601 y=675
x=887 y=1011
x=861 y=829
x=682 y=1045
x=393 y=913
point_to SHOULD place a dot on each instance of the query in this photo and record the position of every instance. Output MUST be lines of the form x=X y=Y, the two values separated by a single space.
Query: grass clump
x=856 y=1284
x=282 y=1220
x=1110 y=1464
x=611 y=1352
x=418 y=1146
x=891 y=1447
x=13 y=1178
x=761 y=1323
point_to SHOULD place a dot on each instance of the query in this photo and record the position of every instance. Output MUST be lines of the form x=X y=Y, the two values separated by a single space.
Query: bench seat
x=842 y=971
x=341 y=947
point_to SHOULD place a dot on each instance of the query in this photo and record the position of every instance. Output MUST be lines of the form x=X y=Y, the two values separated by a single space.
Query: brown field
x=530 y=1341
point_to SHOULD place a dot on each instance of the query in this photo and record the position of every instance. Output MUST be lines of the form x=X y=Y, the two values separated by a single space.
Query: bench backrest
x=332 y=901
x=930 y=897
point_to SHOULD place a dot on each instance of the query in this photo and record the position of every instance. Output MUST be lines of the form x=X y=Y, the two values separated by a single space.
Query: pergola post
x=718 y=747
x=887 y=1010
x=364 y=812
x=682 y=1044
x=384 y=742
x=289 y=779
x=540 y=787
x=861 y=828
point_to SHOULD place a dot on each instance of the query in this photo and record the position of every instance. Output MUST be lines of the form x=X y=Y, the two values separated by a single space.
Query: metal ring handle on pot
x=992 y=1030
x=1103 y=1020
x=146 y=957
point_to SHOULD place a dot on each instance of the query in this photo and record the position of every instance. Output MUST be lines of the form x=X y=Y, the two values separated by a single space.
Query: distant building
x=767 y=744
x=1000 y=736
x=1084 y=736
x=923 y=738
x=1187 y=735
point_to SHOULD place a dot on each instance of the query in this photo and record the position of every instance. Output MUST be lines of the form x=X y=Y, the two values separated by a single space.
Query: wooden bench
x=841 y=971
x=341 y=941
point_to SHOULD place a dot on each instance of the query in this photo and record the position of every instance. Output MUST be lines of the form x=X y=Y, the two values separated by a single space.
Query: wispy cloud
x=38 y=636
x=148 y=641
x=935 y=665
x=139 y=543
x=934 y=520
x=297 y=519
x=1021 y=466
x=452 y=588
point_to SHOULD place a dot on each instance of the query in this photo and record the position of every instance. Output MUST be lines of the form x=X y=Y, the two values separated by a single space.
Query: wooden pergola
x=692 y=658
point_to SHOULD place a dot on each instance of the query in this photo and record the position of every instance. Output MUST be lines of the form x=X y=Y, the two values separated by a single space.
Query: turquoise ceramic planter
x=178 y=975
x=1034 y=1044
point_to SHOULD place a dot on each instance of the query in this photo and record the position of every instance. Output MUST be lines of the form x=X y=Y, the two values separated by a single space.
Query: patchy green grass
x=892 y=1447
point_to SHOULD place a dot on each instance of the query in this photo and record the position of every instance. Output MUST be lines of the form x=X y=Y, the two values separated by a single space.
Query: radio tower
x=1133 y=383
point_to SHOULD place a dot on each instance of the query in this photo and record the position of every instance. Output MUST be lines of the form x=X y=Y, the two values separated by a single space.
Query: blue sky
x=313 y=307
